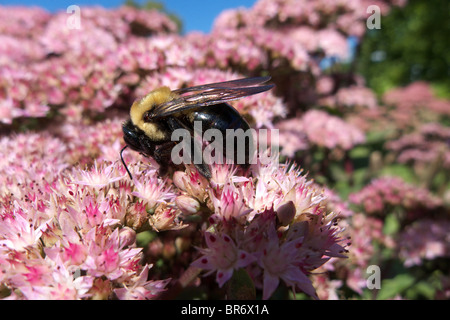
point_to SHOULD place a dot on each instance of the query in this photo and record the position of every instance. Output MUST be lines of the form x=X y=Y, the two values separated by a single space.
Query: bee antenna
x=124 y=164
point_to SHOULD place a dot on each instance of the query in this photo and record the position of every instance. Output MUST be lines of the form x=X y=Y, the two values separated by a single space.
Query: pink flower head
x=152 y=190
x=192 y=183
x=230 y=204
x=222 y=255
x=282 y=262
x=109 y=258
x=18 y=232
x=166 y=218
x=142 y=289
x=98 y=177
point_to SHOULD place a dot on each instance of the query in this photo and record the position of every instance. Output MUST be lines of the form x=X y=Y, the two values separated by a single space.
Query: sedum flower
x=222 y=255
x=281 y=262
x=166 y=218
x=150 y=189
x=187 y=205
x=432 y=243
x=97 y=177
x=109 y=258
x=192 y=183
x=141 y=288
x=18 y=233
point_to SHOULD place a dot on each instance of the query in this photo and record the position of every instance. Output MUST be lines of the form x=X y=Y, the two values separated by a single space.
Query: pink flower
x=166 y=218
x=222 y=255
x=17 y=232
x=142 y=289
x=281 y=262
x=231 y=203
x=74 y=253
x=192 y=183
x=433 y=241
x=393 y=191
x=109 y=259
x=151 y=189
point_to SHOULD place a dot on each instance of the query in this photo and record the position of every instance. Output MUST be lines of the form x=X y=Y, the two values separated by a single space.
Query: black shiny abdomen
x=223 y=117
x=220 y=116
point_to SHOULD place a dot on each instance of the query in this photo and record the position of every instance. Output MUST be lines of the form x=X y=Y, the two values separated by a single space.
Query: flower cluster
x=403 y=109
x=121 y=49
x=273 y=223
x=62 y=231
x=70 y=233
x=433 y=241
x=38 y=69
x=318 y=128
x=429 y=145
x=386 y=192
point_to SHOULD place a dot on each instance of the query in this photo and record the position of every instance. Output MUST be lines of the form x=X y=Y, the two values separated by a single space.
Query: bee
x=154 y=117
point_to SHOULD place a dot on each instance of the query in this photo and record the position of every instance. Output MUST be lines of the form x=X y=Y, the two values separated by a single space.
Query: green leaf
x=359 y=152
x=390 y=288
x=241 y=286
x=420 y=290
x=144 y=238
x=399 y=170
x=391 y=224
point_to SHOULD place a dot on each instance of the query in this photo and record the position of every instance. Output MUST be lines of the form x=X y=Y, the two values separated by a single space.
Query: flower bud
x=187 y=205
x=136 y=215
x=166 y=218
x=127 y=237
x=192 y=183
x=162 y=218
x=286 y=213
x=178 y=179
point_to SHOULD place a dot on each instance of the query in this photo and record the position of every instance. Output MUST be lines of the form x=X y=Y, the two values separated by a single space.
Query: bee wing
x=211 y=94
x=239 y=83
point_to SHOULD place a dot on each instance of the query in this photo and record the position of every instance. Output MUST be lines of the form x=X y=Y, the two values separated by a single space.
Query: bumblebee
x=154 y=117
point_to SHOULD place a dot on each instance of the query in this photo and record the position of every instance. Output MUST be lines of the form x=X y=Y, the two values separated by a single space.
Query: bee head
x=140 y=110
x=142 y=107
x=131 y=135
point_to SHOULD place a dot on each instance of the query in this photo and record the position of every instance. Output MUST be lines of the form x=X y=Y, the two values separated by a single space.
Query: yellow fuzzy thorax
x=139 y=107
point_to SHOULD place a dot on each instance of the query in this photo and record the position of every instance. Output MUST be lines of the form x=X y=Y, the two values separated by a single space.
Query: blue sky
x=196 y=14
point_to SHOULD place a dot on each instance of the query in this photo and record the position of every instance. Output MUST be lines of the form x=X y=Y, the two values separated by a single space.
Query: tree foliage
x=411 y=45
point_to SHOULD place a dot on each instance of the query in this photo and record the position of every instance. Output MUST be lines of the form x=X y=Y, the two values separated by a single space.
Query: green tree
x=155 y=5
x=412 y=44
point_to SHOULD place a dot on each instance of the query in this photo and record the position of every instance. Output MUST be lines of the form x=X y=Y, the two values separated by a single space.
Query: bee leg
x=196 y=148
x=162 y=156
x=203 y=169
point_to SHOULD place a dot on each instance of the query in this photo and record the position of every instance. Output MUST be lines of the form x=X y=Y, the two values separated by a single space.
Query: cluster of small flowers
x=404 y=109
x=350 y=97
x=363 y=234
x=317 y=14
x=387 y=192
x=39 y=71
x=430 y=144
x=69 y=233
x=67 y=67
x=101 y=141
x=417 y=95
x=425 y=239
x=292 y=38
x=318 y=128
x=63 y=232
x=273 y=223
